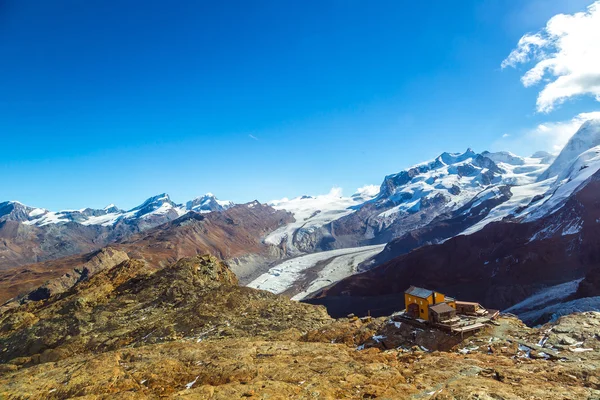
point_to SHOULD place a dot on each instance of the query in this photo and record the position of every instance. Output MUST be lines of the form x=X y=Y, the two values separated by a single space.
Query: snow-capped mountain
x=159 y=208
x=586 y=138
x=537 y=238
x=577 y=162
x=409 y=200
x=208 y=203
x=311 y=214
x=455 y=179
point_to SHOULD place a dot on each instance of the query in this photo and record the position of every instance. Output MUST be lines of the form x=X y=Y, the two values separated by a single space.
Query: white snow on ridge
x=542 y=298
x=522 y=196
x=314 y=212
x=567 y=182
x=47 y=219
x=283 y=276
x=559 y=309
x=520 y=170
x=586 y=138
x=155 y=206
x=36 y=212
x=104 y=220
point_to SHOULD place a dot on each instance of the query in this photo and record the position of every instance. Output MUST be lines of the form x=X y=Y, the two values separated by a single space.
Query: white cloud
x=548 y=136
x=251 y=136
x=506 y=135
x=566 y=55
x=368 y=191
x=335 y=192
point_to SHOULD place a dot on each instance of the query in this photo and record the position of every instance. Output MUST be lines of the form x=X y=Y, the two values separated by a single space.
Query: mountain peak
x=208 y=203
x=158 y=199
x=452 y=158
x=586 y=137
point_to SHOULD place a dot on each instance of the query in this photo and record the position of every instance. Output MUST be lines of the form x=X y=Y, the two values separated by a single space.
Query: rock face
x=188 y=331
x=444 y=225
x=96 y=262
x=39 y=281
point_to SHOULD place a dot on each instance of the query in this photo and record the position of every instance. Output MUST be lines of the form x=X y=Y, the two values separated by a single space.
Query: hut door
x=413 y=310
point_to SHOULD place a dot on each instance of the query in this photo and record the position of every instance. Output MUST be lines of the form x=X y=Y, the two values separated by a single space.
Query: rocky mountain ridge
x=410 y=200
x=31 y=235
x=234 y=235
x=154 y=210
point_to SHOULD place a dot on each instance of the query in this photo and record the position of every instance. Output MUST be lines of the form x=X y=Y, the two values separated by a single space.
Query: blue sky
x=112 y=102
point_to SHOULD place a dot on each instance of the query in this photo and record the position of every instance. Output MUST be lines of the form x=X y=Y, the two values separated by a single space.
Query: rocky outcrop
x=39 y=281
x=95 y=262
x=590 y=285
x=130 y=305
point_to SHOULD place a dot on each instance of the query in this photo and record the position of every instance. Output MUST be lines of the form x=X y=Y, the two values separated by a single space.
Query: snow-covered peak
x=504 y=157
x=568 y=181
x=313 y=212
x=157 y=200
x=453 y=158
x=111 y=208
x=586 y=137
x=447 y=176
x=14 y=211
x=208 y=203
x=156 y=205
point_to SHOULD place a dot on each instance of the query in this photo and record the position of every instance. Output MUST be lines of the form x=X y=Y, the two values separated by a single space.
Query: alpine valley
x=210 y=299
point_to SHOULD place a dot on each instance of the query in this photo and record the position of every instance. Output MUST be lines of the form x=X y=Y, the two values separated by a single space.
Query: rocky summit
x=189 y=330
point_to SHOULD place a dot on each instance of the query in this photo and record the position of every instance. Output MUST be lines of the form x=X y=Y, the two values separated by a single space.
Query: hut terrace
x=429 y=306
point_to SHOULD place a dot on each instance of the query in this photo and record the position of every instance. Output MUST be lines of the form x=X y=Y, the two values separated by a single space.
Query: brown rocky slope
x=188 y=331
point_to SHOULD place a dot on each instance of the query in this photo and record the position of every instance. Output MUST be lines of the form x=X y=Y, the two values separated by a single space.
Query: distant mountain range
x=158 y=208
x=491 y=226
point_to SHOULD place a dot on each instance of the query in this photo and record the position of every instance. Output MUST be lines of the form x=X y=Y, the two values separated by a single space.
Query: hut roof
x=441 y=308
x=419 y=292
